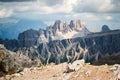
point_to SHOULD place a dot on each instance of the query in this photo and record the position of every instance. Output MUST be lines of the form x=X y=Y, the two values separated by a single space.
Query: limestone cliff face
x=92 y=48
x=28 y=38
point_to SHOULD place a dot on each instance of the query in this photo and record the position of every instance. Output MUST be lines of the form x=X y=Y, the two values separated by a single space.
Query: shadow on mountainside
x=110 y=60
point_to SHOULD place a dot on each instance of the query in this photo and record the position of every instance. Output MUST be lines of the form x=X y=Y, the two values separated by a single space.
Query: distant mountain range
x=66 y=42
x=58 y=43
x=30 y=37
x=11 y=30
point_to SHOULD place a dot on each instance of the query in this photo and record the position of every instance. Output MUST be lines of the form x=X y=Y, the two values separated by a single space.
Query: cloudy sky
x=94 y=12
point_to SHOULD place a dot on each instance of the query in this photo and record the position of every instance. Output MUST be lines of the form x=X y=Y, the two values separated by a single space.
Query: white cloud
x=22 y=8
x=91 y=16
x=91 y=11
x=108 y=17
x=105 y=6
x=84 y=16
x=60 y=7
x=116 y=6
x=5 y=13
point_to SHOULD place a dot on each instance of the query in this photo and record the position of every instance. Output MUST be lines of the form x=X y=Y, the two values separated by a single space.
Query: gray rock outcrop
x=11 y=62
x=91 y=48
x=28 y=38
x=116 y=70
x=75 y=66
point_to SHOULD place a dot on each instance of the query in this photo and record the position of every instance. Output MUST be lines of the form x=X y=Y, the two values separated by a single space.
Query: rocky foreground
x=78 y=70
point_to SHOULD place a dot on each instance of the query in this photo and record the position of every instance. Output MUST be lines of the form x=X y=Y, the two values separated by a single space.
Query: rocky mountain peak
x=57 y=21
x=77 y=25
x=41 y=31
x=59 y=31
x=2 y=46
x=58 y=25
x=105 y=28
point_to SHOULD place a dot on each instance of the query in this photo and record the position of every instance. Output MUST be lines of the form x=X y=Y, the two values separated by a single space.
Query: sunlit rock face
x=63 y=30
x=59 y=31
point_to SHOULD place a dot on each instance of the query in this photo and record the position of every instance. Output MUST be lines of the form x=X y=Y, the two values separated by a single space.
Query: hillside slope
x=64 y=72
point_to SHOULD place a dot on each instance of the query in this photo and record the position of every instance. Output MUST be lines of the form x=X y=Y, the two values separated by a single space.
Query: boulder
x=76 y=65
x=116 y=70
x=11 y=63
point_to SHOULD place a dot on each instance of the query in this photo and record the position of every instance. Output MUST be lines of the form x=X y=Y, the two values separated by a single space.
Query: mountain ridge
x=11 y=30
x=89 y=48
x=60 y=30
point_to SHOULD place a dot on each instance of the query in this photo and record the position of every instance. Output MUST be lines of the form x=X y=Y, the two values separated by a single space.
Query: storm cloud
x=47 y=2
x=15 y=0
x=101 y=6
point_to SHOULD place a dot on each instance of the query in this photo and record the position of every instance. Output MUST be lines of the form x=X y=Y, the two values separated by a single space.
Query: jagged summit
x=58 y=31
x=77 y=24
x=73 y=25
x=64 y=30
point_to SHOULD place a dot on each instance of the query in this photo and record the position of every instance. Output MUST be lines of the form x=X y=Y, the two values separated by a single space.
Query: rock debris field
x=78 y=70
